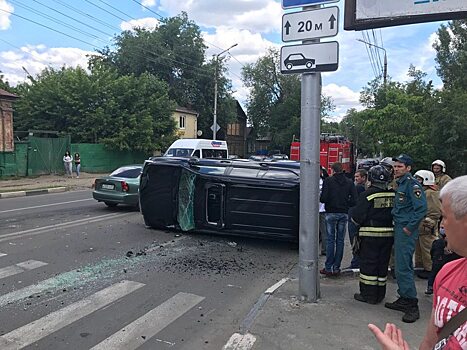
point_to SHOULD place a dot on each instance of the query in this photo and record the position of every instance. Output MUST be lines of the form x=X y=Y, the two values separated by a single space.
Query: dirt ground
x=47 y=181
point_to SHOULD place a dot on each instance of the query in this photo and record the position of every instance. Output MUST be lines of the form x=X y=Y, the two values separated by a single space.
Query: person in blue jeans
x=338 y=195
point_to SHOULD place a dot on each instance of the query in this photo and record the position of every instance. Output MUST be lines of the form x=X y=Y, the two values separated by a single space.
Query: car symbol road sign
x=298 y=3
x=310 y=58
x=313 y=24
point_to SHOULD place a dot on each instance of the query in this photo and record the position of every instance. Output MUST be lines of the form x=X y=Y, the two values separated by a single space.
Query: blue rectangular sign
x=300 y=3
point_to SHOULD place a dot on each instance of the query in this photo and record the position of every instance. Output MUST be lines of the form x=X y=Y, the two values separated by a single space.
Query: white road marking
x=36 y=330
x=273 y=288
x=31 y=264
x=240 y=342
x=2 y=254
x=21 y=267
x=148 y=325
x=68 y=224
x=46 y=205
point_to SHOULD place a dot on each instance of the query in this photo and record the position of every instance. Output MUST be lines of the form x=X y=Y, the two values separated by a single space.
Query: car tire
x=309 y=64
x=110 y=205
x=289 y=66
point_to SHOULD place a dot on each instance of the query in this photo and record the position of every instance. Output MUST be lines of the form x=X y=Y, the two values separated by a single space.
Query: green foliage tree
x=274 y=102
x=175 y=53
x=450 y=110
x=122 y=111
x=396 y=120
x=3 y=83
x=451 y=54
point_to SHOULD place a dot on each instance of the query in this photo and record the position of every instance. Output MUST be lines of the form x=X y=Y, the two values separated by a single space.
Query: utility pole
x=309 y=182
x=214 y=125
x=385 y=63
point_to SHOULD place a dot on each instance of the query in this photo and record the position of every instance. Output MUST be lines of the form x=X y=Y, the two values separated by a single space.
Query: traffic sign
x=299 y=3
x=310 y=58
x=312 y=24
x=217 y=127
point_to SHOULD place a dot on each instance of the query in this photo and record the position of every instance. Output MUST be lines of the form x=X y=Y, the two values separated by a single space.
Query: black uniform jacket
x=373 y=212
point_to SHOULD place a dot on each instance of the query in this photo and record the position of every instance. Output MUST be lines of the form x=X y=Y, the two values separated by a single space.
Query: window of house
x=182 y=121
x=233 y=129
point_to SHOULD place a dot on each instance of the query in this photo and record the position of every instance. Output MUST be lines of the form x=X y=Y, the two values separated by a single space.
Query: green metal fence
x=39 y=156
x=95 y=158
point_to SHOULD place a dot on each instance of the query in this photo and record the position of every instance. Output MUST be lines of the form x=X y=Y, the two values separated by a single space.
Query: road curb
x=32 y=192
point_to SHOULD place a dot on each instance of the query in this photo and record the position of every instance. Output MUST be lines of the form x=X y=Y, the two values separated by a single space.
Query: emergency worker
x=428 y=229
x=376 y=234
x=409 y=210
x=439 y=169
x=388 y=163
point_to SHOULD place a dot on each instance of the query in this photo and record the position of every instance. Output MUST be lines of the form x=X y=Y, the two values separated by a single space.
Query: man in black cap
x=409 y=210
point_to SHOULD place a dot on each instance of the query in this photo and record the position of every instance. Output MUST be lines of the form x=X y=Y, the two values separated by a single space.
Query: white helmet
x=440 y=163
x=427 y=176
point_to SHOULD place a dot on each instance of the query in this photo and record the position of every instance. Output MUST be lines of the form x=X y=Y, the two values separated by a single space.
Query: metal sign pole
x=309 y=290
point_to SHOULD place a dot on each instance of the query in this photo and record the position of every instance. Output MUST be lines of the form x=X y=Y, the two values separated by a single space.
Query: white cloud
x=5 y=21
x=256 y=16
x=250 y=45
x=148 y=3
x=36 y=58
x=147 y=23
x=343 y=97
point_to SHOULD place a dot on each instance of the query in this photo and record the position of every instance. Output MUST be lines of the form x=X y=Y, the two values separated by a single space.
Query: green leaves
x=123 y=112
x=274 y=101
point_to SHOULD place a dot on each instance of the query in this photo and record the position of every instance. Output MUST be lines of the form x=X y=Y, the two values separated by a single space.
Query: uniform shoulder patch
x=417 y=192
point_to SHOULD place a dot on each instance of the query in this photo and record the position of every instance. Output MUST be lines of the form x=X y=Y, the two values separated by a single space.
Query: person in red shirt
x=450 y=288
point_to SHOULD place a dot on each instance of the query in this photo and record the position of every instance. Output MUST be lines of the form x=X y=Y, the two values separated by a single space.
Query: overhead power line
x=55 y=20
x=74 y=19
x=101 y=8
x=149 y=9
x=50 y=28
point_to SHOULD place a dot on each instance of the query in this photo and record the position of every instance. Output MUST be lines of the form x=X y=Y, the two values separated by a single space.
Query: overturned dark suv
x=221 y=196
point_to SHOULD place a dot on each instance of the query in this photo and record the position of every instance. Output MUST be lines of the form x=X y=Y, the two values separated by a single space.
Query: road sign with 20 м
x=313 y=24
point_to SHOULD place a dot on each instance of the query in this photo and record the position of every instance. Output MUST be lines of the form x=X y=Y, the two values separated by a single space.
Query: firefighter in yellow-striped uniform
x=376 y=234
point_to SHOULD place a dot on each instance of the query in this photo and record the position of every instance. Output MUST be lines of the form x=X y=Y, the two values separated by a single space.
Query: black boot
x=412 y=313
x=401 y=304
x=359 y=297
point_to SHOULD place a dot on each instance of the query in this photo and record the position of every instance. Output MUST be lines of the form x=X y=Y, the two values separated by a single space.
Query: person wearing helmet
x=428 y=229
x=376 y=234
x=438 y=167
x=409 y=210
x=388 y=163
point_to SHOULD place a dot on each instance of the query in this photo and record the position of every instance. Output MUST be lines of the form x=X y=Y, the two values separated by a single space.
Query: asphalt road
x=75 y=274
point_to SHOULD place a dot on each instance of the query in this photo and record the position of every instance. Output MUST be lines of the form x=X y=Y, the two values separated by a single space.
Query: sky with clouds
x=35 y=34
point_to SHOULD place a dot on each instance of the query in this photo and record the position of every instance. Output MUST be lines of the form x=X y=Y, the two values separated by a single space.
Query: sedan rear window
x=130 y=173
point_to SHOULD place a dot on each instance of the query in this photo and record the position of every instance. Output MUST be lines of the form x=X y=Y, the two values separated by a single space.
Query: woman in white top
x=67 y=162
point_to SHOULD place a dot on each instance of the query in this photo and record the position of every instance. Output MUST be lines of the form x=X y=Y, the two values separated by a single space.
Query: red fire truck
x=332 y=149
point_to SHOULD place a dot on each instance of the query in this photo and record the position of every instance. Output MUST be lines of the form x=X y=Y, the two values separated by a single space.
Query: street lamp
x=214 y=126
x=385 y=66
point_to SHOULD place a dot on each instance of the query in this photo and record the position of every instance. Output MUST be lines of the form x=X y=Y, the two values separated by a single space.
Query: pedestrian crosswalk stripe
x=36 y=330
x=138 y=332
x=21 y=267
x=240 y=342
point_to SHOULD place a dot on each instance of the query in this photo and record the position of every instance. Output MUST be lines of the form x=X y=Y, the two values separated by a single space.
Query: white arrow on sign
x=312 y=24
x=310 y=58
